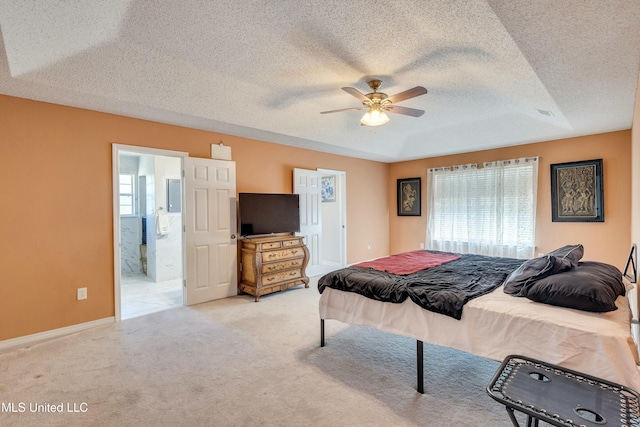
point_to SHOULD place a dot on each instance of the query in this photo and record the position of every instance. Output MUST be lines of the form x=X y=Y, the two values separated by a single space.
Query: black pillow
x=532 y=270
x=573 y=253
x=590 y=286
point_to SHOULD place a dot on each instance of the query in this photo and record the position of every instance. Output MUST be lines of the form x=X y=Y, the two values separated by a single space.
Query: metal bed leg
x=420 y=357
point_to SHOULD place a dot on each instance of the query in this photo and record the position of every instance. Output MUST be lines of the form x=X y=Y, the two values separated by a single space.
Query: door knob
x=233 y=236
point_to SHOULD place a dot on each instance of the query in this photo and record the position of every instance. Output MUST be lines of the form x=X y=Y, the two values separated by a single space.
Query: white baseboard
x=54 y=333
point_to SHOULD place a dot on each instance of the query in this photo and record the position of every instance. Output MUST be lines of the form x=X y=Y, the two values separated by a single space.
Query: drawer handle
x=273 y=255
x=271 y=279
x=293 y=273
x=294 y=251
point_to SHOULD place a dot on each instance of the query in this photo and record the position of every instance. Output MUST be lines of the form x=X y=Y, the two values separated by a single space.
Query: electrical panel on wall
x=174 y=196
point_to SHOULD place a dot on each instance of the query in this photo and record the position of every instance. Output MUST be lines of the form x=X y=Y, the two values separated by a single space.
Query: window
x=487 y=211
x=127 y=195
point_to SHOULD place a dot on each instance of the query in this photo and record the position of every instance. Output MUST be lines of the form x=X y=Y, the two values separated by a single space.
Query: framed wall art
x=328 y=188
x=409 y=191
x=577 y=192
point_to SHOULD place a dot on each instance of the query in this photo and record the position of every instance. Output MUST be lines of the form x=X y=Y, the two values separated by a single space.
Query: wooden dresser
x=273 y=263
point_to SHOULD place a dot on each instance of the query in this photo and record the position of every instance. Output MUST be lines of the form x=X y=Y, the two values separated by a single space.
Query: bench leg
x=531 y=421
x=321 y=332
x=512 y=417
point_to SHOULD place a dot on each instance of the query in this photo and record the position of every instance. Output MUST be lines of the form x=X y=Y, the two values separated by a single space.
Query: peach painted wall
x=56 y=221
x=366 y=185
x=608 y=241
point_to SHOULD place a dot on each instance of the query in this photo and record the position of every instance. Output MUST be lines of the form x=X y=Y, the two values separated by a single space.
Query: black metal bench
x=561 y=397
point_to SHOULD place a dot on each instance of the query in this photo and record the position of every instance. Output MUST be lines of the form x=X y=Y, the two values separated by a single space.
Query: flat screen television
x=268 y=213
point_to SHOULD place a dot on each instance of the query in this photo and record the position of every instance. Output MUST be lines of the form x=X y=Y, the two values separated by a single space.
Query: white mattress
x=497 y=325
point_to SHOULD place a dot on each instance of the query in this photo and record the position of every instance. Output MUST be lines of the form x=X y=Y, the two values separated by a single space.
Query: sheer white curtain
x=487 y=211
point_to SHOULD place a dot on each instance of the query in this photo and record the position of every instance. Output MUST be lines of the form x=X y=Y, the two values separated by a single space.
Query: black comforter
x=443 y=289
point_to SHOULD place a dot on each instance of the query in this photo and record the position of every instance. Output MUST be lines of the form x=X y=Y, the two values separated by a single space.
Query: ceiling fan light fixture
x=374 y=117
x=377 y=103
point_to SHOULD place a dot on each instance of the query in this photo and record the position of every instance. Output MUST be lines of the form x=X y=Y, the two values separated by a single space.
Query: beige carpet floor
x=234 y=362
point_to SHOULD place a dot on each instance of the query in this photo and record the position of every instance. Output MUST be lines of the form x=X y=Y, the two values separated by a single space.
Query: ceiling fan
x=378 y=103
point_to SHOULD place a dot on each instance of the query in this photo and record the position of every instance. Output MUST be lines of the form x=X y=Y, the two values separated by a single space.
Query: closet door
x=210 y=230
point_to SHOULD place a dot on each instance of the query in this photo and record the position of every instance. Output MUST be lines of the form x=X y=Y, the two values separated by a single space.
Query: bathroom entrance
x=151 y=247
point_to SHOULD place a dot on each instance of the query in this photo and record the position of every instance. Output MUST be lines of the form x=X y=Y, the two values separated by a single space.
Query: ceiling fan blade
x=355 y=92
x=342 y=109
x=411 y=93
x=404 y=110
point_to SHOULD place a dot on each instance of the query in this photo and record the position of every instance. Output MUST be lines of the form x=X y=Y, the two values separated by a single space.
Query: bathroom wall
x=130 y=226
x=147 y=169
x=168 y=250
x=130 y=237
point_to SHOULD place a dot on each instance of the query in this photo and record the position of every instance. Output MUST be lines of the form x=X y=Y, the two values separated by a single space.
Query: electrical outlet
x=421 y=245
x=369 y=245
x=82 y=293
x=540 y=254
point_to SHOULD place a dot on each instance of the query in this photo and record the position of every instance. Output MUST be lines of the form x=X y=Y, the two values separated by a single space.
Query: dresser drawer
x=284 y=265
x=271 y=279
x=271 y=245
x=283 y=254
x=293 y=242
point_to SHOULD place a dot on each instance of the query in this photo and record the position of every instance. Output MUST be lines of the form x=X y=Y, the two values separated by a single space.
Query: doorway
x=334 y=221
x=149 y=276
x=322 y=217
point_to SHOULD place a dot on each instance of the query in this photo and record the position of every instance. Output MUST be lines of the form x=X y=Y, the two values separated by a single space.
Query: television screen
x=267 y=213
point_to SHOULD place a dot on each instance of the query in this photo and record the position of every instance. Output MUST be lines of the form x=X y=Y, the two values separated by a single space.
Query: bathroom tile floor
x=140 y=295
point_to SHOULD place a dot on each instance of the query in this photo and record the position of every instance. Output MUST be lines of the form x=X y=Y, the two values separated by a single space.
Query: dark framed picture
x=577 y=192
x=409 y=190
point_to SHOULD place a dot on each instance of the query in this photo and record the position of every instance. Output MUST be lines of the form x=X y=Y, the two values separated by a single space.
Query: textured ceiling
x=498 y=72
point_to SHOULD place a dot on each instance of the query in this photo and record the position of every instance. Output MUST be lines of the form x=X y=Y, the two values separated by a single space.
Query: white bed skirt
x=497 y=325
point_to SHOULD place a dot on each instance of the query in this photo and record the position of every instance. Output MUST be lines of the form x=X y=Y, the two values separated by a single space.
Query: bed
x=495 y=324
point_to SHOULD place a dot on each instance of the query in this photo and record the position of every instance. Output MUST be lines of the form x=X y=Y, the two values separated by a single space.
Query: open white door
x=334 y=222
x=210 y=230
x=306 y=183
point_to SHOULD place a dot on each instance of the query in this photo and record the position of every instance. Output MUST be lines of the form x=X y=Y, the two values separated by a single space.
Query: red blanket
x=409 y=262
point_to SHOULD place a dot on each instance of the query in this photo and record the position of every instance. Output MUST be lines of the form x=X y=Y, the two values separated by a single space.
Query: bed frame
x=630 y=274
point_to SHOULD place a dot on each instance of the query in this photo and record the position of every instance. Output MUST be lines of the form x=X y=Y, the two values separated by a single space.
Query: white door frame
x=116 y=149
x=342 y=201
